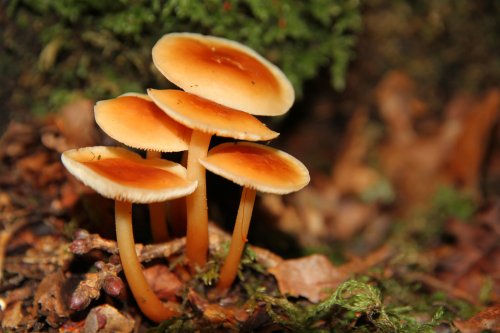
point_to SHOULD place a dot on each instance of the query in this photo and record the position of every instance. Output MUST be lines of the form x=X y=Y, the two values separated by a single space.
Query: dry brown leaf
x=312 y=277
x=13 y=316
x=464 y=163
x=107 y=319
x=488 y=319
x=49 y=300
x=163 y=282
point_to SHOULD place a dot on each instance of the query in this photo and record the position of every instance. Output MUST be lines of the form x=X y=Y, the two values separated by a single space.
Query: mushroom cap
x=224 y=71
x=133 y=119
x=204 y=115
x=119 y=174
x=257 y=166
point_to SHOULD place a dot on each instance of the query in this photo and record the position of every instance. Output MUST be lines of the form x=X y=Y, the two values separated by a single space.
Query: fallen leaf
x=488 y=319
x=464 y=163
x=314 y=276
x=107 y=319
x=48 y=300
x=311 y=277
x=163 y=282
x=13 y=316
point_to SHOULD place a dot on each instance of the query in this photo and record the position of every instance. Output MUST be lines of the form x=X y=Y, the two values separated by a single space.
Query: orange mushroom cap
x=133 y=119
x=204 y=115
x=119 y=174
x=256 y=166
x=224 y=71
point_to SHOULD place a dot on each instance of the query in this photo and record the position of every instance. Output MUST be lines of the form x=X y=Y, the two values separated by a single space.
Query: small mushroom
x=206 y=118
x=257 y=168
x=127 y=178
x=134 y=120
x=225 y=72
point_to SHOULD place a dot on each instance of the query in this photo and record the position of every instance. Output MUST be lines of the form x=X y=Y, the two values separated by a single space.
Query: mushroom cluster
x=223 y=86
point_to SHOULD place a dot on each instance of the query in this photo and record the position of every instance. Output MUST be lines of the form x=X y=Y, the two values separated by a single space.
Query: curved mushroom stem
x=196 y=202
x=230 y=268
x=157 y=213
x=147 y=301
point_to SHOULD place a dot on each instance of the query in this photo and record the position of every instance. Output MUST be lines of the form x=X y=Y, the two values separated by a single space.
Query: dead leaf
x=13 y=316
x=314 y=276
x=107 y=319
x=463 y=166
x=49 y=300
x=488 y=319
x=311 y=277
x=163 y=282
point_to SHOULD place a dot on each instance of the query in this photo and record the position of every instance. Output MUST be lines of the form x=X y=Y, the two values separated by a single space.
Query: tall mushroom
x=227 y=73
x=206 y=118
x=257 y=168
x=134 y=120
x=127 y=178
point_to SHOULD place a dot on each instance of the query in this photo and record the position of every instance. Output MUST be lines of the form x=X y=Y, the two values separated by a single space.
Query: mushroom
x=206 y=118
x=127 y=178
x=134 y=120
x=257 y=168
x=225 y=72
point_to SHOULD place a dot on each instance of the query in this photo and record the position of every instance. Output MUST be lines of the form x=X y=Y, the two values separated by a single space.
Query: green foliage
x=354 y=306
x=103 y=48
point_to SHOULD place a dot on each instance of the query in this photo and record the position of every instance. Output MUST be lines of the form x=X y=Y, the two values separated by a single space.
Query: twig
x=86 y=242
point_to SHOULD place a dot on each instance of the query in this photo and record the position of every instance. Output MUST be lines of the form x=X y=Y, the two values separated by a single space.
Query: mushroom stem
x=230 y=268
x=157 y=213
x=196 y=203
x=147 y=301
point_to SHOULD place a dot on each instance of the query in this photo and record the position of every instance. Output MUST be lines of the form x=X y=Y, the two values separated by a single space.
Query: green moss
x=103 y=48
x=355 y=306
